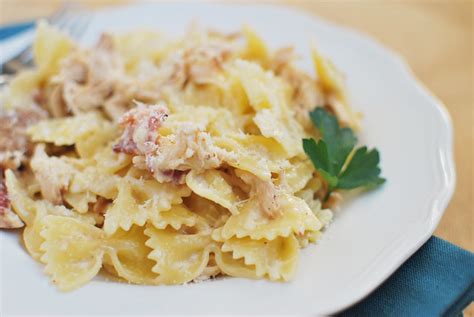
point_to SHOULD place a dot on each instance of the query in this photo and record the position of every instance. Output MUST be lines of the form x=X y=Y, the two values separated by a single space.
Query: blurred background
x=435 y=38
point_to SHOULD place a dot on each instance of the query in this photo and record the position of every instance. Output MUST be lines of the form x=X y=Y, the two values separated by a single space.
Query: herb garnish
x=332 y=155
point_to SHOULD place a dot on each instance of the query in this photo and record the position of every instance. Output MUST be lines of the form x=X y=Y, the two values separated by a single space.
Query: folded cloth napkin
x=10 y=30
x=438 y=280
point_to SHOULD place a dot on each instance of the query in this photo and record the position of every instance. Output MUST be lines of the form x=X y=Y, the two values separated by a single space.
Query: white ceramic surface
x=371 y=236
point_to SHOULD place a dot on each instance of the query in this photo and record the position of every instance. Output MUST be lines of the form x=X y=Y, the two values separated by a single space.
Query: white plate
x=372 y=235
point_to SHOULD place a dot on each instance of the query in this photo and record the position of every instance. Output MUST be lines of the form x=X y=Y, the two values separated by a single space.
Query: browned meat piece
x=265 y=191
x=141 y=129
x=166 y=157
x=8 y=218
x=15 y=146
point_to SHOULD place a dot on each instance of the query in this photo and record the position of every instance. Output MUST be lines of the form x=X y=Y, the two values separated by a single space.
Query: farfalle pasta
x=166 y=161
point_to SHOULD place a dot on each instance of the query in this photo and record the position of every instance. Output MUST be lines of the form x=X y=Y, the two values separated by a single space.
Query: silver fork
x=64 y=19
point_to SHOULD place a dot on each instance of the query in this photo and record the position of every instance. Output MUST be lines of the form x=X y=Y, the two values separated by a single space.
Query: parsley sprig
x=334 y=157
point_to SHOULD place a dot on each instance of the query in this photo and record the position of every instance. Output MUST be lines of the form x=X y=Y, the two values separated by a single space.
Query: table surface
x=436 y=39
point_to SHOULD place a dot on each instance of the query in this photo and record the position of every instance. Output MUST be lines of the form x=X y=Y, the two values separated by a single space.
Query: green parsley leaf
x=331 y=155
x=362 y=170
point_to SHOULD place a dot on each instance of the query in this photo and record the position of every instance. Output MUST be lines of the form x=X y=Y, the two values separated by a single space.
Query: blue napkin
x=10 y=30
x=438 y=280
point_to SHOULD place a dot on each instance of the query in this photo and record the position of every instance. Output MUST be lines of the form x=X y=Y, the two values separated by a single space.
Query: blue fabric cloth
x=10 y=30
x=438 y=280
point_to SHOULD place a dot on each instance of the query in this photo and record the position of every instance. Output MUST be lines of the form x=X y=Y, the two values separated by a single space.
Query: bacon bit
x=100 y=207
x=125 y=145
x=140 y=128
x=177 y=177
x=8 y=218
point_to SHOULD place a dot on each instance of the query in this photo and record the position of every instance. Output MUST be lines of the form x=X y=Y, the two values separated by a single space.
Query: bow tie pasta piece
x=68 y=130
x=296 y=217
x=125 y=210
x=110 y=162
x=297 y=175
x=161 y=196
x=88 y=145
x=263 y=89
x=214 y=214
x=49 y=48
x=216 y=121
x=212 y=185
x=96 y=181
x=258 y=155
x=32 y=233
x=33 y=212
x=275 y=258
x=127 y=254
x=72 y=251
x=80 y=201
x=233 y=267
x=269 y=96
x=255 y=50
x=141 y=200
x=283 y=127
x=154 y=46
x=23 y=205
x=179 y=258
x=177 y=217
x=88 y=132
x=307 y=194
x=233 y=95
x=333 y=81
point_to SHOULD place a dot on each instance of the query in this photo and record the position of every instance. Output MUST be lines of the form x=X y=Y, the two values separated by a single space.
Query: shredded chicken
x=265 y=191
x=198 y=64
x=15 y=146
x=166 y=157
x=190 y=148
x=95 y=79
x=205 y=61
x=306 y=92
x=52 y=174
x=8 y=218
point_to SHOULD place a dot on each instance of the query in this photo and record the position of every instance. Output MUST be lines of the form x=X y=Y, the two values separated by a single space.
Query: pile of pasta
x=165 y=161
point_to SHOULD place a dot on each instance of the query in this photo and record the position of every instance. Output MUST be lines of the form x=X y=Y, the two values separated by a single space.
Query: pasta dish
x=167 y=161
